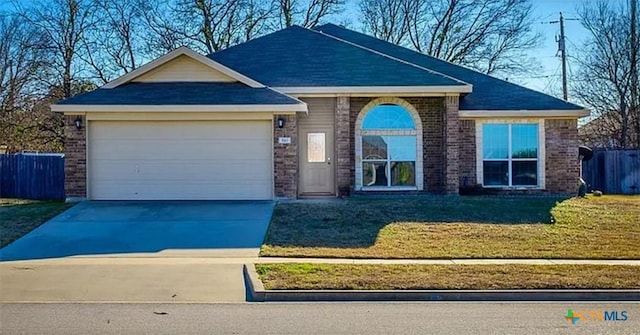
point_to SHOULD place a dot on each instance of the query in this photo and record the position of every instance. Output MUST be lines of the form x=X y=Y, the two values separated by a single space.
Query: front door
x=317 y=166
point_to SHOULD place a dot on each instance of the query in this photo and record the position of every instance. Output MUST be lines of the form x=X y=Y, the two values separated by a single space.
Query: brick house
x=322 y=112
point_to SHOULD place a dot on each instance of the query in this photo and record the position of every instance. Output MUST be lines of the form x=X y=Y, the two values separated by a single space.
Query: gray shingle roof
x=181 y=93
x=489 y=93
x=298 y=57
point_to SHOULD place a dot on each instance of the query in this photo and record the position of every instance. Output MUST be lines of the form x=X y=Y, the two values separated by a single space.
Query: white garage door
x=180 y=160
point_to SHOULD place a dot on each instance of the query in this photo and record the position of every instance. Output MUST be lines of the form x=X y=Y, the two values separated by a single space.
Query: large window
x=389 y=148
x=510 y=154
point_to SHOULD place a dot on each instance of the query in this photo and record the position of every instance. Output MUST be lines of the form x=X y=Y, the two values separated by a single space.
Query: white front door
x=317 y=164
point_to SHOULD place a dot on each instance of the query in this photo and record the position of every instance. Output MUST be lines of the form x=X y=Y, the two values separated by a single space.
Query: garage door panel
x=180 y=130
x=216 y=191
x=176 y=170
x=213 y=149
x=181 y=160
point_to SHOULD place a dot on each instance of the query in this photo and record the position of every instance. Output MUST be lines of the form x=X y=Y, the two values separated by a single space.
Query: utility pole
x=562 y=49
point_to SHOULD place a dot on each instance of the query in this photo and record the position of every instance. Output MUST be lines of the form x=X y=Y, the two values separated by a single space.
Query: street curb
x=256 y=289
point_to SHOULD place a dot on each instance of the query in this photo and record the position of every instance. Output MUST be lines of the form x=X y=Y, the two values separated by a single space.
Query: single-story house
x=313 y=112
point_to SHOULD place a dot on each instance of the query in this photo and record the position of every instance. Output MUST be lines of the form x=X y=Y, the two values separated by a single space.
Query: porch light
x=280 y=122
x=78 y=123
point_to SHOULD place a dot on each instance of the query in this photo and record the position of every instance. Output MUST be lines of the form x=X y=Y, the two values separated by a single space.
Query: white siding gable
x=183 y=68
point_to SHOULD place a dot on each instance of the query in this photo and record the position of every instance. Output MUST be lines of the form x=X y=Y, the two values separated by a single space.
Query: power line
x=554 y=78
x=535 y=76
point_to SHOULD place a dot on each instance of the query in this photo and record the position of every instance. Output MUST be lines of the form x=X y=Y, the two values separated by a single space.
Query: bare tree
x=64 y=24
x=307 y=13
x=386 y=19
x=23 y=59
x=209 y=25
x=491 y=36
x=113 y=45
x=161 y=32
x=605 y=81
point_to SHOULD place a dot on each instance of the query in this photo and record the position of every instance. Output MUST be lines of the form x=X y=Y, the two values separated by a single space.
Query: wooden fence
x=613 y=171
x=32 y=177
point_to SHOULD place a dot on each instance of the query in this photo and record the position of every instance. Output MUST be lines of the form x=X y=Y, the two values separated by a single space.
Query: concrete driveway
x=148 y=229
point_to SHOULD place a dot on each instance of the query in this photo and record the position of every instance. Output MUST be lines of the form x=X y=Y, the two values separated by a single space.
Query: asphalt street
x=316 y=318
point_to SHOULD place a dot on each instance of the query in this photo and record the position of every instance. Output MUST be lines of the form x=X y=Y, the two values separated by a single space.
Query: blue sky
x=549 y=78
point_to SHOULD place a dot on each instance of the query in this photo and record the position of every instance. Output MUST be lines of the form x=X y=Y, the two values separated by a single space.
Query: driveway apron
x=148 y=229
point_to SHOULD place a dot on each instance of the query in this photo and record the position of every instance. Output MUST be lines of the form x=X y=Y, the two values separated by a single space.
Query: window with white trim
x=389 y=147
x=510 y=154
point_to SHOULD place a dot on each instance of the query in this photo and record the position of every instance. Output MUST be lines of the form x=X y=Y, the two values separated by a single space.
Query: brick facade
x=431 y=111
x=561 y=155
x=75 y=161
x=467 y=153
x=285 y=157
x=449 y=158
x=355 y=106
x=451 y=131
x=343 y=145
x=432 y=114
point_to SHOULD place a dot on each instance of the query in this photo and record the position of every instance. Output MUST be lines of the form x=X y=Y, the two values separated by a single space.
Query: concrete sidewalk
x=121 y=280
x=172 y=279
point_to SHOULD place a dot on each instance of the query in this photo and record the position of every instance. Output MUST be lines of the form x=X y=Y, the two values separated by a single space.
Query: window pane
x=374 y=147
x=402 y=148
x=403 y=174
x=524 y=140
x=374 y=174
x=495 y=141
x=388 y=117
x=525 y=173
x=315 y=147
x=496 y=173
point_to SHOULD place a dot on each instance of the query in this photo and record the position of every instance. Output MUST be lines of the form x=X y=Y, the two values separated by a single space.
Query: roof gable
x=299 y=57
x=183 y=64
x=183 y=68
x=489 y=93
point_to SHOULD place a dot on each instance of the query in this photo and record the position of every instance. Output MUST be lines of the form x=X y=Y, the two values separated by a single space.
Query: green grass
x=302 y=276
x=605 y=227
x=19 y=217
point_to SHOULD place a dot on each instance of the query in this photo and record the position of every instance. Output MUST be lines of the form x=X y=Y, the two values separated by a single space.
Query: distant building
x=605 y=132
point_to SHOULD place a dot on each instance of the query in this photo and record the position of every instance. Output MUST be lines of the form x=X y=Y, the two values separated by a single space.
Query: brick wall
x=431 y=111
x=467 y=153
x=285 y=157
x=75 y=162
x=561 y=148
x=355 y=106
x=451 y=129
x=343 y=147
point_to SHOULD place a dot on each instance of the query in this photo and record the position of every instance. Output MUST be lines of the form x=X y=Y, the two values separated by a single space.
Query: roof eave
x=571 y=113
x=246 y=108
x=377 y=90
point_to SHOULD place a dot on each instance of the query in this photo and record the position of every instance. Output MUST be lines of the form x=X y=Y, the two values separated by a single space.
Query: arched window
x=388 y=116
x=387 y=140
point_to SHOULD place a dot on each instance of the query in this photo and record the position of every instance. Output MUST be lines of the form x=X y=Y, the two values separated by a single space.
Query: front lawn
x=446 y=277
x=18 y=217
x=605 y=227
